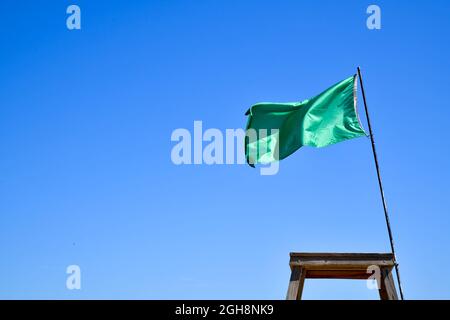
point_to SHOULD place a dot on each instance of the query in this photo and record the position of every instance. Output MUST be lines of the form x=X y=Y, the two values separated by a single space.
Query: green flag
x=276 y=130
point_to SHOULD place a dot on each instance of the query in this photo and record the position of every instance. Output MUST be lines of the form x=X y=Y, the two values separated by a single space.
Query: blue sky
x=85 y=123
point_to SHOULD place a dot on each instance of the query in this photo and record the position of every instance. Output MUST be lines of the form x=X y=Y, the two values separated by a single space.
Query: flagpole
x=386 y=215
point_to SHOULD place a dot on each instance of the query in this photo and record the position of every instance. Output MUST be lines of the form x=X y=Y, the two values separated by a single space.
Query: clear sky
x=86 y=118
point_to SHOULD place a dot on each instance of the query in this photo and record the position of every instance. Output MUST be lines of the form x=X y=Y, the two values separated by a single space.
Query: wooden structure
x=341 y=266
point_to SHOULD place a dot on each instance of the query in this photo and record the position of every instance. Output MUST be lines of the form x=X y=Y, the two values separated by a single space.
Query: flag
x=276 y=130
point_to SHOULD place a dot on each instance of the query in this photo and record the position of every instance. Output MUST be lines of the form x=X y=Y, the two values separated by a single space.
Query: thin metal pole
x=386 y=215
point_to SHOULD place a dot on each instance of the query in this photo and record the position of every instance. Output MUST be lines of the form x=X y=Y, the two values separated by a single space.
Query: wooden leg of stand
x=296 y=284
x=387 y=290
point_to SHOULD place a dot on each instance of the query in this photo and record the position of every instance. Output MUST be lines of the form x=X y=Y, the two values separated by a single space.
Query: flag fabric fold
x=280 y=129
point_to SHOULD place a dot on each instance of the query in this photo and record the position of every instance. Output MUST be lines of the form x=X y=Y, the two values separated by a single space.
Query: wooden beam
x=343 y=256
x=337 y=274
x=341 y=260
x=359 y=265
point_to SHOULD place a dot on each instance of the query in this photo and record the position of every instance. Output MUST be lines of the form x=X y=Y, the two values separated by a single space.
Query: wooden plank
x=340 y=256
x=337 y=274
x=348 y=264
x=296 y=283
x=341 y=260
